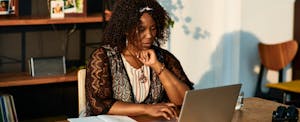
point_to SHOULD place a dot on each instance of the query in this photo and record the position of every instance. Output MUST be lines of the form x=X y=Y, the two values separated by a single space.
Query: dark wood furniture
x=30 y=21
x=23 y=24
x=254 y=110
x=53 y=95
x=41 y=97
x=24 y=79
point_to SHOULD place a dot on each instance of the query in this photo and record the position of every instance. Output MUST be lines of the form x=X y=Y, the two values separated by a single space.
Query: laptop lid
x=210 y=105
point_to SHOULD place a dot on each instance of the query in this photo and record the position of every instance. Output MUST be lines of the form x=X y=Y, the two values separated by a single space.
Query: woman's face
x=146 y=32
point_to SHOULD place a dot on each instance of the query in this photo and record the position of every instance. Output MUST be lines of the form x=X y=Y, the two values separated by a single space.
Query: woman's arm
x=175 y=88
x=99 y=94
x=166 y=110
x=171 y=74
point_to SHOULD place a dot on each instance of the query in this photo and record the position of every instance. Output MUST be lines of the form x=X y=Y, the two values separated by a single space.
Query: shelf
x=23 y=79
x=28 y=20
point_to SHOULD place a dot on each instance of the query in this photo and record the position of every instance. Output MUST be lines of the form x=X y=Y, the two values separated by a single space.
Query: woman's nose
x=149 y=35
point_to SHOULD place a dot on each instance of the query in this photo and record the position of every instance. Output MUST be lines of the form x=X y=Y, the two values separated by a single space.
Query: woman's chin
x=146 y=46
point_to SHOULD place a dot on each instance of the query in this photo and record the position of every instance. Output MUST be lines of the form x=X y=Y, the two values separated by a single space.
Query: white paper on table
x=103 y=118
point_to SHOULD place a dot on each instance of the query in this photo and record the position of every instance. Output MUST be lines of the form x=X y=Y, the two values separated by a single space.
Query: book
x=3 y=108
x=7 y=108
x=1 y=111
x=13 y=107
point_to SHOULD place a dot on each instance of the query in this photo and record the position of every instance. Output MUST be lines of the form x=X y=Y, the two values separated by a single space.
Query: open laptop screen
x=210 y=105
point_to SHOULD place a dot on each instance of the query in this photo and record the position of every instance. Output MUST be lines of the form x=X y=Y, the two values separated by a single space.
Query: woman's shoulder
x=162 y=51
x=106 y=48
x=110 y=50
x=164 y=54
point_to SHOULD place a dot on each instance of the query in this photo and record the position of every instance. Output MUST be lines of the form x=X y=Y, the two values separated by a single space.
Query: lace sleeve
x=98 y=84
x=173 y=64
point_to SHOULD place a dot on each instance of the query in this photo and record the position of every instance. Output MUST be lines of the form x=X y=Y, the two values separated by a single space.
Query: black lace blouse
x=107 y=80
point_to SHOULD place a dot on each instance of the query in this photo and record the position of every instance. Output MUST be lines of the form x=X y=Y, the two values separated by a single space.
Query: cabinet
x=49 y=96
x=30 y=21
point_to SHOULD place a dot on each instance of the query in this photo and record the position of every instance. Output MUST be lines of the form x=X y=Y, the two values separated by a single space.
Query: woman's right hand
x=166 y=110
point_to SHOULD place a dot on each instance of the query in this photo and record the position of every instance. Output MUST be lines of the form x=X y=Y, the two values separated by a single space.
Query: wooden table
x=23 y=79
x=254 y=110
x=286 y=87
x=293 y=86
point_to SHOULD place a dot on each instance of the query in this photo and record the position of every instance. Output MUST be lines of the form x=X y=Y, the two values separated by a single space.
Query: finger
x=169 y=112
x=144 y=54
x=174 y=110
x=165 y=115
x=170 y=105
x=173 y=107
x=147 y=56
x=140 y=56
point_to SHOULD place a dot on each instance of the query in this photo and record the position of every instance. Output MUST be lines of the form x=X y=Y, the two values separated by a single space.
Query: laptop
x=210 y=105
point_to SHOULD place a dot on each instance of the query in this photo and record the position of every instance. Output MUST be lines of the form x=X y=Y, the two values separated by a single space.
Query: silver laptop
x=210 y=105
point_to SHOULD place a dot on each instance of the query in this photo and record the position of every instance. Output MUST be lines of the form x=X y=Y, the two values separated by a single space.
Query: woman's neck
x=130 y=55
x=131 y=50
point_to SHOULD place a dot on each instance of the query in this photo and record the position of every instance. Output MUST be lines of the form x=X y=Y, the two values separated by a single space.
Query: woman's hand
x=166 y=110
x=147 y=57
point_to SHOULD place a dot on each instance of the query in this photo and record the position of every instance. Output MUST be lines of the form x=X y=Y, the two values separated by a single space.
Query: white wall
x=267 y=21
x=216 y=41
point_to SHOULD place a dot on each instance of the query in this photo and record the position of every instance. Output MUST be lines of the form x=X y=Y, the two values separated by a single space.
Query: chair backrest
x=277 y=56
x=81 y=92
x=274 y=57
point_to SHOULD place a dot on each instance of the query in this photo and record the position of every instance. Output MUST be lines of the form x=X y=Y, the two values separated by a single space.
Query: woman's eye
x=141 y=29
x=153 y=28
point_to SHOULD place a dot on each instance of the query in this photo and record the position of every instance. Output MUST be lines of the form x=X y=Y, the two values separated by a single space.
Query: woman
x=131 y=75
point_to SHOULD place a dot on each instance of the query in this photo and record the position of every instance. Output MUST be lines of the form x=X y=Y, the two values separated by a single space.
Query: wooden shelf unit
x=28 y=20
x=23 y=79
x=30 y=92
x=25 y=24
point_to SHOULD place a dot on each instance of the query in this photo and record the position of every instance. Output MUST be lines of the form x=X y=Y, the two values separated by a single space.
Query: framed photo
x=13 y=7
x=69 y=6
x=4 y=7
x=76 y=8
x=57 y=9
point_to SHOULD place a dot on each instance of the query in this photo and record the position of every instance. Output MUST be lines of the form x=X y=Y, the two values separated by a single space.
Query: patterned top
x=107 y=80
x=140 y=89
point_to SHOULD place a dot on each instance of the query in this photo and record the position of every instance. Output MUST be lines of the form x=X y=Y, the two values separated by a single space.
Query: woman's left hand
x=147 y=57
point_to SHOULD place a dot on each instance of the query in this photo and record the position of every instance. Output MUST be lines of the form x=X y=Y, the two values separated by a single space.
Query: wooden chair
x=81 y=92
x=276 y=57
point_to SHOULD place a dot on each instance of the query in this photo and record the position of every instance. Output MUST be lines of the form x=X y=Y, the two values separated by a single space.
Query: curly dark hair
x=126 y=18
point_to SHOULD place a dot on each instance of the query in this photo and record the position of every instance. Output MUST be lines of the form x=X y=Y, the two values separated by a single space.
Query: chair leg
x=284 y=97
x=258 y=92
x=280 y=80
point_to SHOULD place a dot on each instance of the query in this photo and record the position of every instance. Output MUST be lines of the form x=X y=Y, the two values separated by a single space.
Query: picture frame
x=9 y=7
x=4 y=7
x=80 y=8
x=69 y=6
x=13 y=7
x=57 y=9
